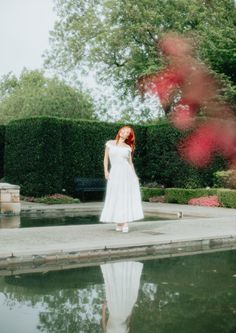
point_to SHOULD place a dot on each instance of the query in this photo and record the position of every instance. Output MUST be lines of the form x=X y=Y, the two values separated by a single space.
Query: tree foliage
x=122 y=36
x=35 y=95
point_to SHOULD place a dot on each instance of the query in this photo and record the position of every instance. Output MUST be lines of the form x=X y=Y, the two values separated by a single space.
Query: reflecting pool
x=45 y=220
x=191 y=294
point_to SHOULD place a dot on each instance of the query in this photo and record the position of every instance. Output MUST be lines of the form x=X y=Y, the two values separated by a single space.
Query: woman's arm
x=105 y=163
x=104 y=323
x=131 y=163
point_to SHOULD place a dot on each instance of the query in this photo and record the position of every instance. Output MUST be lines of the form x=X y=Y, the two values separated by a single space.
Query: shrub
x=150 y=192
x=182 y=196
x=210 y=201
x=226 y=179
x=52 y=199
x=227 y=197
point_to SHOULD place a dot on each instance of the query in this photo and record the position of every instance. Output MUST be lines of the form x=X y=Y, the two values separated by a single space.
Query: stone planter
x=9 y=199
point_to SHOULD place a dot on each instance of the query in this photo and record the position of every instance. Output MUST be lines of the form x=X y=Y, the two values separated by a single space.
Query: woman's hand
x=107 y=175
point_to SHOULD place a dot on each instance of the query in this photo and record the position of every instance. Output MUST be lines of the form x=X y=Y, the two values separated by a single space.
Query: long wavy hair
x=130 y=140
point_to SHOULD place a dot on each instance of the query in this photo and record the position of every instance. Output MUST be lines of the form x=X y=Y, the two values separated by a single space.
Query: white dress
x=123 y=198
x=122 y=281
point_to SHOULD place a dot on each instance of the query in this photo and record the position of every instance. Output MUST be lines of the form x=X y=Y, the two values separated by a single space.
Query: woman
x=123 y=200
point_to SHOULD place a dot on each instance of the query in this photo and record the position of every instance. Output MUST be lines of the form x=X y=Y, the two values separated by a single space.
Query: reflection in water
x=45 y=220
x=122 y=282
x=192 y=294
x=55 y=219
x=9 y=222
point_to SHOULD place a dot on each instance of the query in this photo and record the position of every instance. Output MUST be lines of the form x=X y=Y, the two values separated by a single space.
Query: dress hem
x=122 y=221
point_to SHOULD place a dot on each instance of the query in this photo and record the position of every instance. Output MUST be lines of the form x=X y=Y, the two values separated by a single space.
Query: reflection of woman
x=122 y=281
x=123 y=199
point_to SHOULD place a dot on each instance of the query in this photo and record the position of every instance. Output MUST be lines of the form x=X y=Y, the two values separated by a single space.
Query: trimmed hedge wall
x=33 y=155
x=164 y=164
x=83 y=149
x=182 y=196
x=2 y=148
x=44 y=155
x=226 y=197
x=148 y=192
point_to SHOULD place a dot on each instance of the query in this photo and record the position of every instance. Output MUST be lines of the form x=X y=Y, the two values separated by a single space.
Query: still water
x=37 y=220
x=191 y=294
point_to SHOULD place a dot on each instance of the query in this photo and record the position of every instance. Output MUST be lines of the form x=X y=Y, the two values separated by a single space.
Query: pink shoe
x=125 y=229
x=118 y=228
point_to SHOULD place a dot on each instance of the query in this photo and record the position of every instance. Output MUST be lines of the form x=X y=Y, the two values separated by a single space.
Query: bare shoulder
x=109 y=143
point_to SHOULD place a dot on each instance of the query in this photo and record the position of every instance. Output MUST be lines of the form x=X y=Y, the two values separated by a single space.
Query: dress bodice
x=118 y=154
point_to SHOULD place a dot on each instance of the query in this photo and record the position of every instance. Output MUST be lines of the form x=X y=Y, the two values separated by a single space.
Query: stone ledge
x=7 y=186
x=13 y=265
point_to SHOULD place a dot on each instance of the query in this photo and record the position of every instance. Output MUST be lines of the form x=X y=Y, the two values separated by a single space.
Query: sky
x=24 y=37
x=24 y=33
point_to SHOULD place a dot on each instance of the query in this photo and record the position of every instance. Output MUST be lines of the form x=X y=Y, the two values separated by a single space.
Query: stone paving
x=201 y=229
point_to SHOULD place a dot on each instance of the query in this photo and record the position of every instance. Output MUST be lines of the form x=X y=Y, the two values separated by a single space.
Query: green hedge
x=33 y=155
x=182 y=196
x=44 y=155
x=164 y=164
x=150 y=192
x=83 y=149
x=2 y=148
x=226 y=197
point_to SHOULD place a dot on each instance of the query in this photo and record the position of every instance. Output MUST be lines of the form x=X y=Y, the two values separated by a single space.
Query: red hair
x=130 y=140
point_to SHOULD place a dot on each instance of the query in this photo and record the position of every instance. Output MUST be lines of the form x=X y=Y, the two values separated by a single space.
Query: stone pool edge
x=211 y=229
x=164 y=209
x=73 y=259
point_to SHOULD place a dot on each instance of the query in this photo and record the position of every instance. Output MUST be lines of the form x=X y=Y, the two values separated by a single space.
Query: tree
x=35 y=95
x=121 y=36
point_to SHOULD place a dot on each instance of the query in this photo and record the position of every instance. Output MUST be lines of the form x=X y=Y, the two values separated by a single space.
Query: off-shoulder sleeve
x=108 y=144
